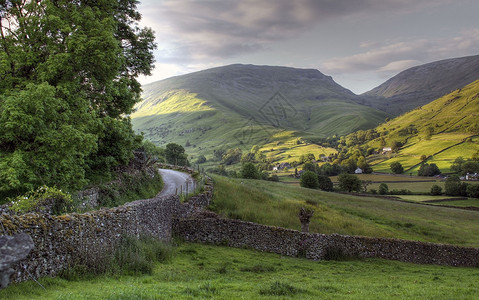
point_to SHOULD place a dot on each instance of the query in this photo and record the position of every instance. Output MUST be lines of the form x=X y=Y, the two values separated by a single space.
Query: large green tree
x=68 y=74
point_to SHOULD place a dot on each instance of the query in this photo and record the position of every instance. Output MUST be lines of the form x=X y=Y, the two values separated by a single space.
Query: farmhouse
x=470 y=176
x=358 y=171
x=387 y=149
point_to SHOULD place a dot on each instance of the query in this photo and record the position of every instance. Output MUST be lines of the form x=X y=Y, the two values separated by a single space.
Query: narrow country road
x=175 y=183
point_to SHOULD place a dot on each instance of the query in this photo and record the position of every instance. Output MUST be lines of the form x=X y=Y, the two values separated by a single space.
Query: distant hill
x=242 y=105
x=441 y=131
x=420 y=85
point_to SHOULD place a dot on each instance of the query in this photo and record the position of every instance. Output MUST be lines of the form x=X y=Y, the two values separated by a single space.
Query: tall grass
x=130 y=256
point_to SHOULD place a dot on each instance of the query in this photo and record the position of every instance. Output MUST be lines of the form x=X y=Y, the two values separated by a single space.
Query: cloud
x=218 y=29
x=395 y=57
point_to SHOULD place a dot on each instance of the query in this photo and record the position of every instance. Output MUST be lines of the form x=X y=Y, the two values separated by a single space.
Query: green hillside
x=422 y=84
x=440 y=131
x=244 y=105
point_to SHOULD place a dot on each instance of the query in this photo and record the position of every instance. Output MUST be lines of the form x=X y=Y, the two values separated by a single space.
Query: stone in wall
x=12 y=250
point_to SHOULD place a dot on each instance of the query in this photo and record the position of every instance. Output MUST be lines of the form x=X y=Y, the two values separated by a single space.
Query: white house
x=358 y=171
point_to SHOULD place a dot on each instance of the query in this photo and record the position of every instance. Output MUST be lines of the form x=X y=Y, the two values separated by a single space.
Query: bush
x=249 y=171
x=473 y=190
x=436 y=190
x=325 y=183
x=45 y=199
x=383 y=189
x=309 y=180
x=349 y=183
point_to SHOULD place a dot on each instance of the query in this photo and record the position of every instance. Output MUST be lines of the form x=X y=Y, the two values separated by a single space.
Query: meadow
x=278 y=204
x=215 y=272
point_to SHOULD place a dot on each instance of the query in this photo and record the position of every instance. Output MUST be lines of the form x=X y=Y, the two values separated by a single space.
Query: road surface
x=175 y=183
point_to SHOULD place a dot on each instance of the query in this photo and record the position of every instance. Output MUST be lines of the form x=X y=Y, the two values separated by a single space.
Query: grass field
x=216 y=272
x=422 y=198
x=388 y=178
x=278 y=204
x=410 y=154
x=461 y=203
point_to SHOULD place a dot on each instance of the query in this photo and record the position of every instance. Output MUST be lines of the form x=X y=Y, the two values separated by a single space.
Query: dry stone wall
x=236 y=233
x=60 y=240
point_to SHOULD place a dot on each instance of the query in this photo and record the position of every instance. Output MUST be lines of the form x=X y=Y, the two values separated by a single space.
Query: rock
x=12 y=250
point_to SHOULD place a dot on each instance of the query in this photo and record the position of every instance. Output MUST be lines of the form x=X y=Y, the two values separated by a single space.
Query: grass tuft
x=279 y=288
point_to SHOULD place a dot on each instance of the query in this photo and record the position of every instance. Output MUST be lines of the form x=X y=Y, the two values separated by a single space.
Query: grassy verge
x=278 y=204
x=130 y=188
x=202 y=271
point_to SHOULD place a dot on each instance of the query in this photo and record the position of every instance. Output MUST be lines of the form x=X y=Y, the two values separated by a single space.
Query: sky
x=360 y=43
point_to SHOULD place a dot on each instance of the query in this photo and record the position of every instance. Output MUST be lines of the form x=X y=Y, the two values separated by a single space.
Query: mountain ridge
x=422 y=84
x=304 y=102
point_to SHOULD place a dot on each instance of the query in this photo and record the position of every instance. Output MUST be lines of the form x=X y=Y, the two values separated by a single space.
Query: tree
x=68 y=74
x=454 y=186
x=153 y=153
x=457 y=165
x=475 y=156
x=383 y=189
x=232 y=156
x=309 y=166
x=349 y=183
x=396 y=168
x=428 y=170
x=175 y=155
x=249 y=171
x=473 y=190
x=325 y=183
x=201 y=159
x=309 y=180
x=436 y=190
x=470 y=167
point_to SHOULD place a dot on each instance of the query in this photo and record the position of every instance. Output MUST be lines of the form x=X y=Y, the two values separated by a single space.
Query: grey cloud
x=396 y=57
x=225 y=28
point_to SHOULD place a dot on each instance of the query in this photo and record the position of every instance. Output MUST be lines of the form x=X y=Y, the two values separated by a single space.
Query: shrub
x=309 y=180
x=436 y=190
x=473 y=190
x=45 y=199
x=383 y=189
x=325 y=183
x=249 y=171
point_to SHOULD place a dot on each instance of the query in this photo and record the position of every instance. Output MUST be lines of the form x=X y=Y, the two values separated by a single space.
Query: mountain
x=243 y=105
x=422 y=84
x=440 y=131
